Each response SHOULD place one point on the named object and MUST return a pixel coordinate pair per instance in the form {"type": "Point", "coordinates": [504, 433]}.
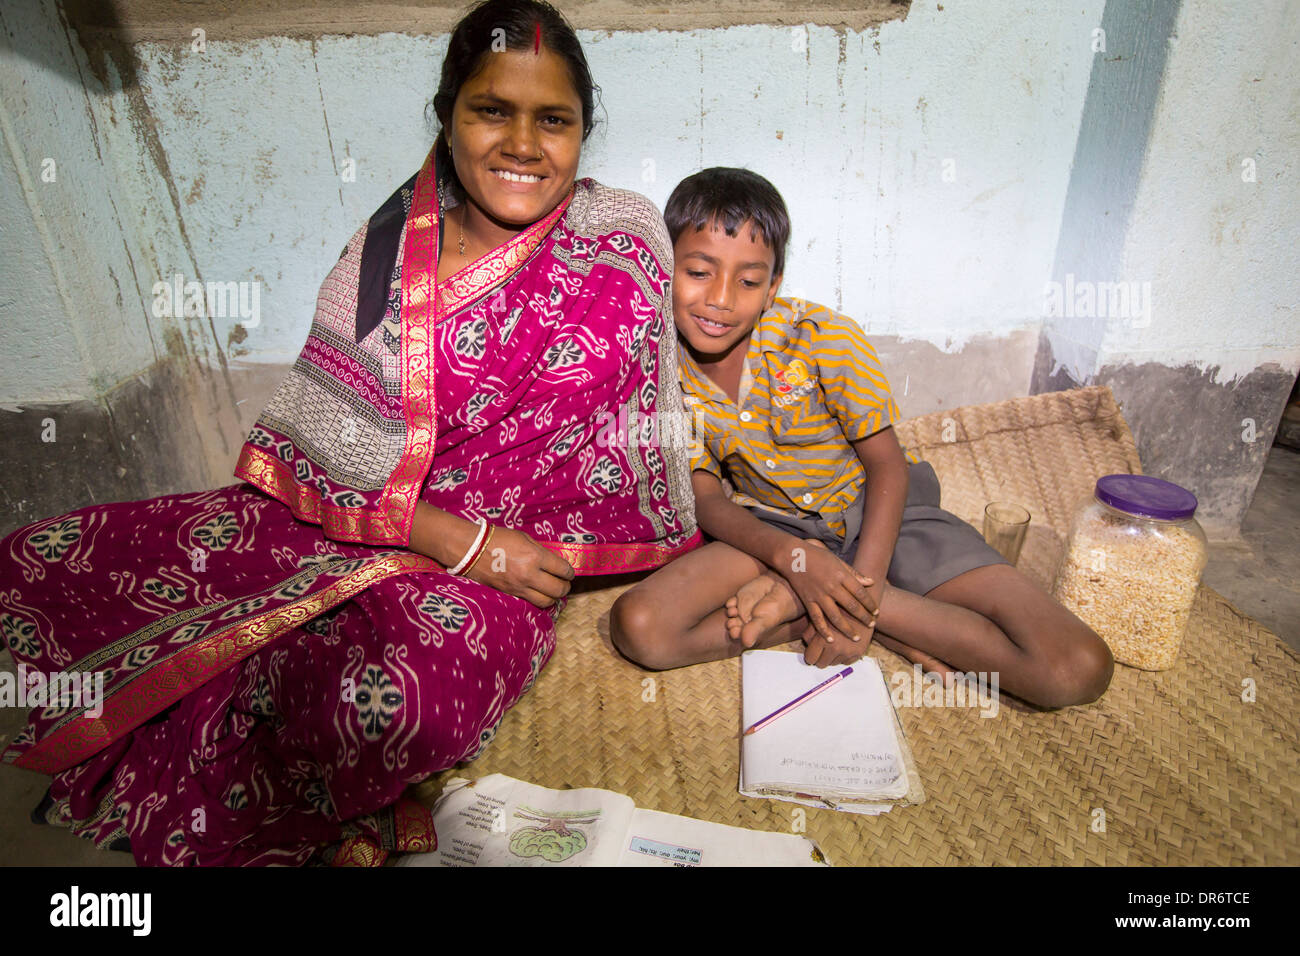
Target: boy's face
{"type": "Point", "coordinates": [721, 285]}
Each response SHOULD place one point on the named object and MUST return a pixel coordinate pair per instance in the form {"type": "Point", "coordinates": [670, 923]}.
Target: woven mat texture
{"type": "Point", "coordinates": [1167, 768]}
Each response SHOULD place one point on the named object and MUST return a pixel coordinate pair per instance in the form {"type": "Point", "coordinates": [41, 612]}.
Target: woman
{"type": "Point", "coordinates": [275, 676]}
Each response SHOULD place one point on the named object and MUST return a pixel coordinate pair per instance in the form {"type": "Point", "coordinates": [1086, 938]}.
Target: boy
{"type": "Point", "coordinates": [833, 535]}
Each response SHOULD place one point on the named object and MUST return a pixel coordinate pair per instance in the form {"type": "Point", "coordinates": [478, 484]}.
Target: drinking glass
{"type": "Point", "coordinates": [1005, 525]}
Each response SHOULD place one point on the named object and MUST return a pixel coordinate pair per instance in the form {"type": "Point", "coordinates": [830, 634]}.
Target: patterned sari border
{"type": "Point", "coordinates": [360, 852]}
{"type": "Point", "coordinates": [274, 477]}
{"type": "Point", "coordinates": [616, 558]}
{"type": "Point", "coordinates": [423, 307]}
{"type": "Point", "coordinates": [482, 276]}
{"type": "Point", "coordinates": [412, 831]}
{"type": "Point", "coordinates": [178, 676]}
{"type": "Point", "coordinates": [419, 275]}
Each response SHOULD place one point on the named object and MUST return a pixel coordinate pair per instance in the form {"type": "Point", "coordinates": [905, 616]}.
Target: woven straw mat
{"type": "Point", "coordinates": [1182, 769]}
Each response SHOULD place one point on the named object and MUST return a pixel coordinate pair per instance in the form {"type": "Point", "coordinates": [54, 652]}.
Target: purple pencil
{"type": "Point", "coordinates": [809, 695]}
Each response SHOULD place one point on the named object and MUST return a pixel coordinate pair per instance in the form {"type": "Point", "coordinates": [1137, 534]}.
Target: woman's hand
{"type": "Point", "coordinates": [511, 561]}
{"type": "Point", "coordinates": [516, 564]}
{"type": "Point", "coordinates": [835, 597]}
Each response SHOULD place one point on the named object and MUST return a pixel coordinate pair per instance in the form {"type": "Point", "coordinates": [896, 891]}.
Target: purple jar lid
{"type": "Point", "coordinates": [1146, 496]}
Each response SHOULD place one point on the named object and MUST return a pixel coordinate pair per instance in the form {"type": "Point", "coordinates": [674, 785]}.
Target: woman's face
{"type": "Point", "coordinates": [516, 135]}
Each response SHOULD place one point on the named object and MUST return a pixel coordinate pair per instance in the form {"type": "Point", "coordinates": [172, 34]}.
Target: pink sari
{"type": "Point", "coordinates": [274, 677]}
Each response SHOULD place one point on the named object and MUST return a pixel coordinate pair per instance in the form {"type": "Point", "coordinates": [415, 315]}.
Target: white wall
{"type": "Point", "coordinates": [854, 128]}
{"type": "Point", "coordinates": [68, 319]}
{"type": "Point", "coordinates": [224, 165]}
{"type": "Point", "coordinates": [1222, 253]}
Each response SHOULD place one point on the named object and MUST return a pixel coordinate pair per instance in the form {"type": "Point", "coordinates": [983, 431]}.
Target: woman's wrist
{"type": "Point", "coordinates": [478, 550]}
{"type": "Point", "coordinates": [441, 535]}
{"type": "Point", "coordinates": [473, 552]}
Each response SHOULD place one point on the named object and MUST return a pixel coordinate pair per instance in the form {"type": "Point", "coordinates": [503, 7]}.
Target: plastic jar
{"type": "Point", "coordinates": [1132, 565]}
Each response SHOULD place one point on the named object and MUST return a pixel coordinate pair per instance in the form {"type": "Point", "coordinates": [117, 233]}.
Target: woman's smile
{"type": "Point", "coordinates": [516, 136]}
{"type": "Point", "coordinates": [522, 179]}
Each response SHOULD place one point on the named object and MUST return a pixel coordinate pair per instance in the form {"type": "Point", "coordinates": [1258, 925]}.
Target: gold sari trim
{"type": "Point", "coordinates": [162, 685]}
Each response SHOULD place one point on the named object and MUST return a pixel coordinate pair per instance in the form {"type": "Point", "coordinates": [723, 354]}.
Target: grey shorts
{"type": "Point", "coordinates": [933, 546]}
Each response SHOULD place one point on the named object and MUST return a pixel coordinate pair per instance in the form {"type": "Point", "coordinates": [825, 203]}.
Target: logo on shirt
{"type": "Point", "coordinates": [793, 383]}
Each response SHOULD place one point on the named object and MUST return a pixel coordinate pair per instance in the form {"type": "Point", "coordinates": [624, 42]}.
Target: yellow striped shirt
{"type": "Point", "coordinates": [812, 384]}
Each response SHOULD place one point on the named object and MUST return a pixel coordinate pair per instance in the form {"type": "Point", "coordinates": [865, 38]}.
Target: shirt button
{"type": "Point", "coordinates": [745, 416]}
{"type": "Point", "coordinates": [771, 463]}
{"type": "Point", "coordinates": [807, 499]}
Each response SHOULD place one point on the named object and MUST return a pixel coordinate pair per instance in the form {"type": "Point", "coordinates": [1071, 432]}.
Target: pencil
{"type": "Point", "coordinates": [807, 696]}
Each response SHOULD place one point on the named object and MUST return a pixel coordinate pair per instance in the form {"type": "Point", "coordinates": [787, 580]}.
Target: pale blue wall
{"type": "Point", "coordinates": [854, 128]}
{"type": "Point", "coordinates": [1122, 164]}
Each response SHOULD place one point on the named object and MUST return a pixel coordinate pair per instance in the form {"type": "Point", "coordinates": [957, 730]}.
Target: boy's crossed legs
{"type": "Point", "coordinates": [991, 618]}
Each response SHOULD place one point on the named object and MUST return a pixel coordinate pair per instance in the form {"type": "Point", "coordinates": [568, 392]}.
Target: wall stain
{"type": "Point", "coordinates": [329, 139]}
{"type": "Point", "coordinates": [264, 166]}
{"type": "Point", "coordinates": [94, 138]}
{"type": "Point", "coordinates": [991, 192]}
{"type": "Point", "coordinates": [116, 285]}
{"type": "Point", "coordinates": [841, 61]}
{"type": "Point", "coordinates": [107, 52]}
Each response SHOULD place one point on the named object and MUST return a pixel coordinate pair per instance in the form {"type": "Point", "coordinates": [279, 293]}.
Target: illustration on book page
{"type": "Point", "coordinates": [559, 838]}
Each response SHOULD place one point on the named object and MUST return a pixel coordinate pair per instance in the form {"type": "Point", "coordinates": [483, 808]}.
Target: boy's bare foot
{"type": "Point", "coordinates": [761, 606]}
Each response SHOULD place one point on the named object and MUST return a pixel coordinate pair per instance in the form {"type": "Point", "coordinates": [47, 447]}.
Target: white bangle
{"type": "Point", "coordinates": [474, 548]}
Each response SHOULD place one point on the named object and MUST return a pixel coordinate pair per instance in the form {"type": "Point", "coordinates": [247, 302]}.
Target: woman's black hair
{"type": "Point", "coordinates": [729, 197]}
{"type": "Point", "coordinates": [497, 25]}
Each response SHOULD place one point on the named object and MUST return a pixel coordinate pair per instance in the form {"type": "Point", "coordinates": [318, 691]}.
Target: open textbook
{"type": "Point", "coordinates": [500, 821]}
{"type": "Point", "coordinates": [842, 749]}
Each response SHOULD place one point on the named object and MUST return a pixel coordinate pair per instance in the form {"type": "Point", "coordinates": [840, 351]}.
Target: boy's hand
{"type": "Point", "coordinates": [823, 653]}
{"type": "Point", "coordinates": [875, 597]}
{"type": "Point", "coordinates": [835, 597]}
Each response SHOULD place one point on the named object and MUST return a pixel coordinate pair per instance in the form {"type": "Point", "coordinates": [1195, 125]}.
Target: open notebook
{"type": "Point", "coordinates": [843, 749]}
{"type": "Point", "coordinates": [500, 821]}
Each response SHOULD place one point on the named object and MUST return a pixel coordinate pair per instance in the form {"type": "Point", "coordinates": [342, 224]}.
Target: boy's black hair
{"type": "Point", "coordinates": [730, 197]}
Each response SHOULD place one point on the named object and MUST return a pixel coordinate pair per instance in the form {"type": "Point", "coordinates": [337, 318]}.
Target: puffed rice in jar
{"type": "Point", "coordinates": [1132, 565]}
